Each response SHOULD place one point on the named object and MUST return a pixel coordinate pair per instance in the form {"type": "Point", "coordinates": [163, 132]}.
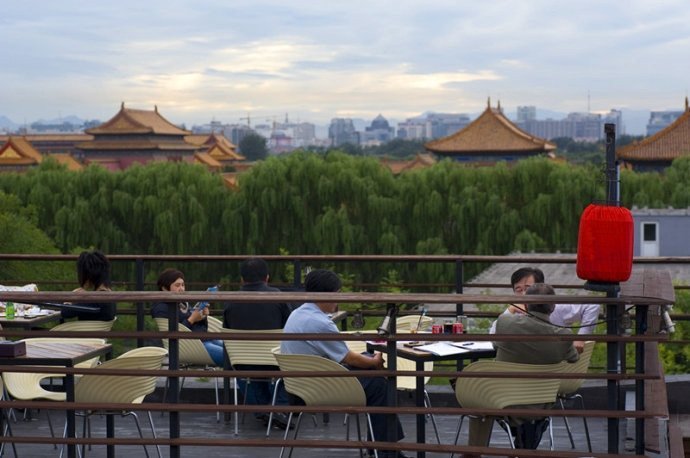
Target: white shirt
{"type": "Point", "coordinates": [570, 314]}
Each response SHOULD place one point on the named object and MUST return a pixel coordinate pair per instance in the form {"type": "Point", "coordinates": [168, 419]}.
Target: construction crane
{"type": "Point", "coordinates": [249, 120]}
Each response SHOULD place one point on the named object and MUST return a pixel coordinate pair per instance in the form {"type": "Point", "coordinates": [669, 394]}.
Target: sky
{"type": "Point", "coordinates": [220, 60]}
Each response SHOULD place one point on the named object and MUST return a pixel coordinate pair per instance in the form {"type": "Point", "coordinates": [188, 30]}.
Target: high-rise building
{"type": "Point", "coordinates": [526, 113]}
{"type": "Point", "coordinates": [378, 132]}
{"type": "Point", "coordinates": [341, 131]}
{"type": "Point", "coordinates": [659, 120]}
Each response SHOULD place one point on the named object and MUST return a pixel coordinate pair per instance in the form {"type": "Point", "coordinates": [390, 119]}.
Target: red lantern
{"type": "Point", "coordinates": [605, 244]}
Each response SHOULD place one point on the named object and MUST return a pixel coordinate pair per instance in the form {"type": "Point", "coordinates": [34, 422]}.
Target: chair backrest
{"type": "Point", "coordinates": [118, 388]}
{"type": "Point", "coordinates": [404, 323]}
{"type": "Point", "coordinates": [580, 366]}
{"type": "Point", "coordinates": [192, 351]}
{"type": "Point", "coordinates": [252, 352]}
{"type": "Point", "coordinates": [320, 391]}
{"type": "Point", "coordinates": [214, 324]}
{"type": "Point", "coordinates": [498, 393]}
{"type": "Point", "coordinates": [85, 325]}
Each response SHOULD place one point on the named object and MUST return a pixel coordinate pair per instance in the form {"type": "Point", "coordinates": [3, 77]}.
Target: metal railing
{"type": "Point", "coordinates": [387, 301]}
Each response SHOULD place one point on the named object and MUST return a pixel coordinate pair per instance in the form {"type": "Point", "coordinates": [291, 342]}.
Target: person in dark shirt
{"type": "Point", "coordinates": [191, 317]}
{"type": "Point", "coordinates": [93, 274]}
{"type": "Point", "coordinates": [257, 316]}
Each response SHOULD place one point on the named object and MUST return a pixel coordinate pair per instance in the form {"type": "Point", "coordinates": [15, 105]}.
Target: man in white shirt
{"type": "Point", "coordinates": [565, 315]}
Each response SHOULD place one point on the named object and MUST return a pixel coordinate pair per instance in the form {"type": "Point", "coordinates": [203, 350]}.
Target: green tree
{"type": "Point", "coordinates": [253, 147]}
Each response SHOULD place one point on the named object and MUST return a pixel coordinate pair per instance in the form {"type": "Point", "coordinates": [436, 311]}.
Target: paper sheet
{"type": "Point", "coordinates": [442, 349]}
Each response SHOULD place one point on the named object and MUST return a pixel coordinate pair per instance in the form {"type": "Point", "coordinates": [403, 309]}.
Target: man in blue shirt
{"type": "Point", "coordinates": [312, 318]}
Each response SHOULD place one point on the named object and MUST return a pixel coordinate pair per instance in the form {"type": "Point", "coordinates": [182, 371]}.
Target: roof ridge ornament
{"type": "Point", "coordinates": [686, 103]}
{"type": "Point", "coordinates": [488, 102]}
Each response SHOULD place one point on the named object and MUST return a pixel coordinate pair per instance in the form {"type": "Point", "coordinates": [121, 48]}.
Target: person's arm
{"type": "Point", "coordinates": [589, 318]}
{"type": "Point", "coordinates": [360, 361]}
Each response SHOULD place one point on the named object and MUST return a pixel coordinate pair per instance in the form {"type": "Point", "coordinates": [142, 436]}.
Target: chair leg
{"type": "Point", "coordinates": [457, 434]}
{"type": "Point", "coordinates": [550, 420]}
{"type": "Point", "coordinates": [299, 419]}
{"type": "Point", "coordinates": [427, 403]}
{"type": "Point", "coordinates": [584, 420]}
{"type": "Point", "coordinates": [7, 432]}
{"type": "Point", "coordinates": [153, 433]}
{"type": "Point", "coordinates": [217, 399]}
{"type": "Point", "coordinates": [236, 413]}
{"type": "Point", "coordinates": [371, 432]}
{"type": "Point", "coordinates": [567, 423]}
{"type": "Point", "coordinates": [503, 422]}
{"type": "Point", "coordinates": [287, 430]}
{"type": "Point", "coordinates": [136, 422]}
{"type": "Point", "coordinates": [359, 434]}
{"type": "Point", "coordinates": [273, 403]}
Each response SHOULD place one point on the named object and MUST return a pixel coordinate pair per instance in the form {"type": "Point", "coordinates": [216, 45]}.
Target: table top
{"type": "Point", "coordinates": [56, 352]}
{"type": "Point", "coordinates": [424, 356]}
{"type": "Point", "coordinates": [29, 321]}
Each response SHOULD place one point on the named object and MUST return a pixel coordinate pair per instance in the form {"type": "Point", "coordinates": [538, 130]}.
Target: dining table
{"type": "Point", "coordinates": [30, 319]}
{"type": "Point", "coordinates": [435, 351]}
{"type": "Point", "coordinates": [61, 353]}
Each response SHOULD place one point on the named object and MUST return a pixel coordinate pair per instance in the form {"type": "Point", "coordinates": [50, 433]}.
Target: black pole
{"type": "Point", "coordinates": [640, 329]}
{"type": "Point", "coordinates": [612, 310]}
{"type": "Point", "coordinates": [140, 305]}
{"type": "Point", "coordinates": [173, 381]}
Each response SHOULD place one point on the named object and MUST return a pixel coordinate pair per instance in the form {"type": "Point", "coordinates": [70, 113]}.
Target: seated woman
{"type": "Point", "coordinates": [93, 273]}
{"type": "Point", "coordinates": [191, 317]}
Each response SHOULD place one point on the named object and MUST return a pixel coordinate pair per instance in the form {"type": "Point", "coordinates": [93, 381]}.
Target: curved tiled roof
{"type": "Point", "coordinates": [18, 151]}
{"type": "Point", "coordinates": [135, 145]}
{"type": "Point", "coordinates": [131, 121]}
{"type": "Point", "coordinates": [665, 145]}
{"type": "Point", "coordinates": [490, 133]}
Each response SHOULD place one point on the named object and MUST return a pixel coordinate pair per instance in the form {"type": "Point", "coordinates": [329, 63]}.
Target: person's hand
{"type": "Point", "coordinates": [197, 315]}
{"type": "Point", "coordinates": [378, 360]}
{"type": "Point", "coordinates": [517, 308]}
{"type": "Point", "coordinates": [206, 312]}
{"type": "Point", "coordinates": [579, 345]}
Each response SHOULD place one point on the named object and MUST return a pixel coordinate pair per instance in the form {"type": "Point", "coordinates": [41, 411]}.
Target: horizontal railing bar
{"type": "Point", "coordinates": [45, 297]}
{"type": "Point", "coordinates": [401, 410]}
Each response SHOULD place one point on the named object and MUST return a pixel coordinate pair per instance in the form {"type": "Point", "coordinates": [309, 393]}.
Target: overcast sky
{"type": "Point", "coordinates": [316, 60]}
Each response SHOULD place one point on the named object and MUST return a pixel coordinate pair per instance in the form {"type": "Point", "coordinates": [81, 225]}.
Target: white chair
{"type": "Point", "coordinates": [569, 387]}
{"type": "Point", "coordinates": [249, 353]}
{"type": "Point", "coordinates": [419, 322]}
{"type": "Point", "coordinates": [320, 391]}
{"type": "Point", "coordinates": [499, 393]}
{"type": "Point", "coordinates": [85, 325]}
{"type": "Point", "coordinates": [130, 389]}
{"type": "Point", "coordinates": [193, 354]}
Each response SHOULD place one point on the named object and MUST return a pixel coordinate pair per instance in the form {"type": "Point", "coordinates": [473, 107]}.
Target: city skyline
{"type": "Point", "coordinates": [206, 60]}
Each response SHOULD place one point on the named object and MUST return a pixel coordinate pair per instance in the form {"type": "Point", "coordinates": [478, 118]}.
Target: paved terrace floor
{"type": "Point", "coordinates": [205, 426]}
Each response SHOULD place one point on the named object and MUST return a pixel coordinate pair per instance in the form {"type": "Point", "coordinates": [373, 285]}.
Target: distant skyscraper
{"type": "Point", "coordinates": [659, 120]}
{"type": "Point", "coordinates": [526, 113]}
{"type": "Point", "coordinates": [378, 132]}
{"type": "Point", "coordinates": [342, 131]}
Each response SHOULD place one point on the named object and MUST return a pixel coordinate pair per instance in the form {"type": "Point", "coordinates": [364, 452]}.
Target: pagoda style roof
{"type": "Point", "coordinates": [490, 133]}
{"type": "Point", "coordinates": [219, 147]}
{"type": "Point", "coordinates": [131, 121]}
{"type": "Point", "coordinates": [419, 162]}
{"type": "Point", "coordinates": [207, 160]}
{"type": "Point", "coordinates": [67, 160]}
{"type": "Point", "coordinates": [18, 151]}
{"type": "Point", "coordinates": [665, 145]}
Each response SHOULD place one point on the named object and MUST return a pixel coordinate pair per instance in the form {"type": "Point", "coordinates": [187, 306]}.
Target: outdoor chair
{"type": "Point", "coordinates": [26, 386]}
{"type": "Point", "coordinates": [321, 391]}
{"type": "Point", "coordinates": [193, 354]}
{"type": "Point", "coordinates": [499, 393]}
{"type": "Point", "coordinates": [568, 389]}
{"type": "Point", "coordinates": [253, 355]}
{"type": "Point", "coordinates": [121, 389]}
{"type": "Point", "coordinates": [7, 430]}
{"type": "Point", "coordinates": [85, 325]}
{"type": "Point", "coordinates": [408, 384]}
{"type": "Point", "coordinates": [406, 322]}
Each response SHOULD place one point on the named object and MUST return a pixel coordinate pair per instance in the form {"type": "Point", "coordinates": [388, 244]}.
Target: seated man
{"type": "Point", "coordinates": [257, 316]}
{"type": "Point", "coordinates": [312, 318]}
{"type": "Point", "coordinates": [565, 315]}
{"type": "Point", "coordinates": [528, 431]}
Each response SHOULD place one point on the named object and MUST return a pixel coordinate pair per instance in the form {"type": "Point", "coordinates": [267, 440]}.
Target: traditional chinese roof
{"type": "Point", "coordinates": [207, 160]}
{"type": "Point", "coordinates": [490, 133]}
{"type": "Point", "coordinates": [18, 151]}
{"type": "Point", "coordinates": [665, 145]}
{"type": "Point", "coordinates": [70, 162]}
{"type": "Point", "coordinates": [420, 161]}
{"type": "Point", "coordinates": [135, 145]}
{"type": "Point", "coordinates": [131, 121]}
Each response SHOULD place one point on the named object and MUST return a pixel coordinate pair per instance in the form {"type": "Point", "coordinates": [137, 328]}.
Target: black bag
{"type": "Point", "coordinates": [528, 435]}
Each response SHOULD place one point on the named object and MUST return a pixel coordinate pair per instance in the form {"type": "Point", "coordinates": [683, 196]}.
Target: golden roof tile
{"type": "Point", "coordinates": [490, 133]}
{"type": "Point", "coordinates": [17, 150]}
{"type": "Point", "coordinates": [665, 145]}
{"type": "Point", "coordinates": [132, 121]}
